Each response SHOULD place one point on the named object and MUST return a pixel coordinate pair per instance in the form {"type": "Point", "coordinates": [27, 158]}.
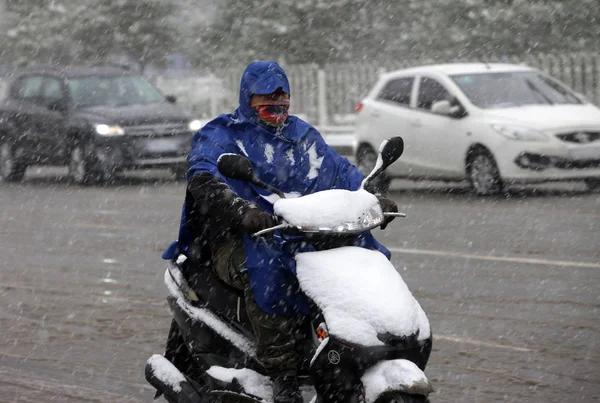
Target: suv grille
{"type": "Point", "coordinates": [579, 137]}
{"type": "Point", "coordinates": [158, 130]}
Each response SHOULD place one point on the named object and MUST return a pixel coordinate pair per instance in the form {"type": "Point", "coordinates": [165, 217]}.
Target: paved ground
{"type": "Point", "coordinates": [510, 284]}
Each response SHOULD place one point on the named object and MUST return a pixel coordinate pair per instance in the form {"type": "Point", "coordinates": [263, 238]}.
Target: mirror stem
{"type": "Point", "coordinates": [379, 168]}
{"type": "Point", "coordinates": [276, 191]}
{"type": "Point", "coordinates": [270, 188]}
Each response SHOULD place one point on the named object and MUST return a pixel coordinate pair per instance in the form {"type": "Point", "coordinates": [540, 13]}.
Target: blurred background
{"type": "Point", "coordinates": [204, 45]}
{"type": "Point", "coordinates": [509, 282]}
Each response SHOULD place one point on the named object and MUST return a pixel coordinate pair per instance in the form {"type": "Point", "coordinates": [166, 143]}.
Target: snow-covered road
{"type": "Point", "coordinates": [510, 286]}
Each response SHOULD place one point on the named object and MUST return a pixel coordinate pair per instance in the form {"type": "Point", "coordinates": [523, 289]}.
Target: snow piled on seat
{"type": "Point", "coordinates": [361, 294]}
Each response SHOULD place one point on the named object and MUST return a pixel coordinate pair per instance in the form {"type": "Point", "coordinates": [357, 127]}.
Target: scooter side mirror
{"type": "Point", "coordinates": [389, 151]}
{"type": "Point", "coordinates": [235, 166]}
{"type": "Point", "coordinates": [238, 167]}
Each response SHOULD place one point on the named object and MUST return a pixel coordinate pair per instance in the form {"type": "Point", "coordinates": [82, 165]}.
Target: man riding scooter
{"type": "Point", "coordinates": [221, 213]}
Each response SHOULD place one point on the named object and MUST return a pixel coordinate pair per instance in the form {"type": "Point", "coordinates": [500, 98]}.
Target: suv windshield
{"type": "Point", "coordinates": [510, 89]}
{"type": "Point", "coordinates": [113, 91]}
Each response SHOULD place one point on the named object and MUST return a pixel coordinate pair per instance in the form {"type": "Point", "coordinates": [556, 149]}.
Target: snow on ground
{"type": "Point", "coordinates": [499, 324]}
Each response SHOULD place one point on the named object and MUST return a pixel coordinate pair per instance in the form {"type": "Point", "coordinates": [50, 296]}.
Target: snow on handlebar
{"type": "Point", "coordinates": [271, 229]}
{"type": "Point", "coordinates": [394, 215]}
{"type": "Point", "coordinates": [286, 225]}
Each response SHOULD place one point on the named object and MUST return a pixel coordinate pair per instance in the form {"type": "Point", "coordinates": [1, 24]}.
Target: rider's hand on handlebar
{"type": "Point", "coordinates": [387, 206]}
{"type": "Point", "coordinates": [255, 220]}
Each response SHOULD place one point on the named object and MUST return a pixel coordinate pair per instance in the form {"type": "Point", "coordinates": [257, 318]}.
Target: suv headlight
{"type": "Point", "coordinates": [520, 133]}
{"type": "Point", "coordinates": [109, 131]}
{"type": "Point", "coordinates": [195, 125]}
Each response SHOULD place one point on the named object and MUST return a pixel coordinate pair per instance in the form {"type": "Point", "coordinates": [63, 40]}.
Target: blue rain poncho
{"type": "Point", "coordinates": [293, 158]}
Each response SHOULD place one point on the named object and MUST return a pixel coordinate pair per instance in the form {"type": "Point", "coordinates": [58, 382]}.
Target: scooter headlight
{"type": "Point", "coordinates": [370, 219]}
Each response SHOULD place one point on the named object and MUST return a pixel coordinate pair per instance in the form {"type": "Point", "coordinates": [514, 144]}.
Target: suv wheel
{"type": "Point", "coordinates": [84, 171]}
{"type": "Point", "coordinates": [366, 158]}
{"type": "Point", "coordinates": [484, 174]}
{"type": "Point", "coordinates": [10, 168]}
{"type": "Point", "coordinates": [79, 166]}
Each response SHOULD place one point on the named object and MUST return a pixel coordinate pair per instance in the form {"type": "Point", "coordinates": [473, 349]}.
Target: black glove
{"type": "Point", "coordinates": [255, 220]}
{"type": "Point", "coordinates": [387, 206]}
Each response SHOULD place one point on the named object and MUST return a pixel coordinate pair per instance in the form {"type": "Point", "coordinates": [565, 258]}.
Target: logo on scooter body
{"type": "Point", "coordinates": [333, 357]}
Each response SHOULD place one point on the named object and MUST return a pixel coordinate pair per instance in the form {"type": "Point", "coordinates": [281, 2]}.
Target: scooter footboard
{"type": "Point", "coordinates": [204, 332]}
{"type": "Point", "coordinates": [170, 382]}
{"type": "Point", "coordinates": [395, 376]}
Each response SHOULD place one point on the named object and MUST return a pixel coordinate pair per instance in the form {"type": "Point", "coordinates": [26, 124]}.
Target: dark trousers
{"type": "Point", "coordinates": [276, 335]}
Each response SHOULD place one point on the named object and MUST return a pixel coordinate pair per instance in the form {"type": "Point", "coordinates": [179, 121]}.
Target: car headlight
{"type": "Point", "coordinates": [520, 133]}
{"type": "Point", "coordinates": [109, 131]}
{"type": "Point", "coordinates": [195, 125]}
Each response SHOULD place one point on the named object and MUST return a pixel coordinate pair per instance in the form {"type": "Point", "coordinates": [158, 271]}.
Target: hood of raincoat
{"type": "Point", "coordinates": [293, 158]}
{"type": "Point", "coordinates": [260, 78]}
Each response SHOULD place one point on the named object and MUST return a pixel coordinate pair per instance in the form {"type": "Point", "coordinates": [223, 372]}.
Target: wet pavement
{"type": "Point", "coordinates": [510, 285]}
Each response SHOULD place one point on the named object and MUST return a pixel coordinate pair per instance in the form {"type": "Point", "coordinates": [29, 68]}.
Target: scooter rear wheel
{"type": "Point", "coordinates": [224, 396]}
{"type": "Point", "coordinates": [401, 397]}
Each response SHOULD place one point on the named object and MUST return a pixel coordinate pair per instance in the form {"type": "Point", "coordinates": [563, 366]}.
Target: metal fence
{"type": "Point", "coordinates": [328, 95]}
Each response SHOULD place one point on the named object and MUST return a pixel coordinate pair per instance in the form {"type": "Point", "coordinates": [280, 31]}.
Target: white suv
{"type": "Point", "coordinates": [488, 123]}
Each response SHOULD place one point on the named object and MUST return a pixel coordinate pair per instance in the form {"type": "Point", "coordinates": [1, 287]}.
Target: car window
{"type": "Point", "coordinates": [513, 89]}
{"type": "Point", "coordinates": [136, 90]}
{"type": "Point", "coordinates": [431, 91]}
{"type": "Point", "coordinates": [398, 90]}
{"type": "Point", "coordinates": [52, 92]}
{"type": "Point", "coordinates": [29, 88]}
{"type": "Point", "coordinates": [113, 91]}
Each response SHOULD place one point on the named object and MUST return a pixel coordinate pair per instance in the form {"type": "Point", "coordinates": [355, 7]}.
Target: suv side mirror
{"type": "Point", "coordinates": [171, 99]}
{"type": "Point", "coordinates": [442, 107]}
{"type": "Point", "coordinates": [451, 108]}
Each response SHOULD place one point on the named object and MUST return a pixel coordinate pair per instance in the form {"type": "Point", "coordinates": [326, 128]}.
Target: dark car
{"type": "Point", "coordinates": [97, 120]}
